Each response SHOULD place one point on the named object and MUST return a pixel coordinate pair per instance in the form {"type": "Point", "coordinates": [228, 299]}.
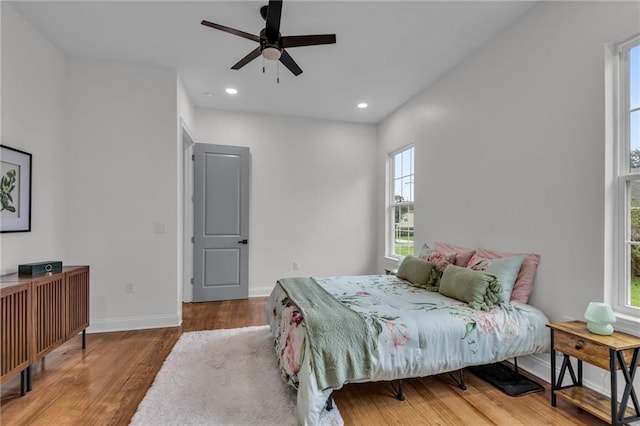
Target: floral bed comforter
{"type": "Point", "coordinates": [419, 333]}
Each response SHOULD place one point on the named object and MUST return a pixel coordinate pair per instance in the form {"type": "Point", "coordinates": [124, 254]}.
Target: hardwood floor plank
{"type": "Point", "coordinates": [104, 383]}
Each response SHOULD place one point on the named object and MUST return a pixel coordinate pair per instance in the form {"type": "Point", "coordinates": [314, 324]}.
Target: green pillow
{"type": "Point", "coordinates": [479, 289]}
{"type": "Point", "coordinates": [505, 269]}
{"type": "Point", "coordinates": [418, 272]}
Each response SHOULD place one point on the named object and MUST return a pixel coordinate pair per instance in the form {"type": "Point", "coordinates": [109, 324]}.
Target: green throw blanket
{"type": "Point", "coordinates": [340, 343]}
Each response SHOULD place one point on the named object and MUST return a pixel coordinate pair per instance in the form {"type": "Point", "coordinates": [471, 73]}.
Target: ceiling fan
{"type": "Point", "coordinates": [272, 43]}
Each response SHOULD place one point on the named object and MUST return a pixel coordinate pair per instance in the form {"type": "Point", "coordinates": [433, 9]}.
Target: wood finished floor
{"type": "Point", "coordinates": [103, 384]}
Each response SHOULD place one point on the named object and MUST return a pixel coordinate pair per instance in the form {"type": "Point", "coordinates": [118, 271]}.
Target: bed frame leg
{"type": "Point", "coordinates": [460, 380]}
{"type": "Point", "coordinates": [329, 405]}
{"type": "Point", "coordinates": [398, 391]}
{"type": "Point", "coordinates": [515, 367]}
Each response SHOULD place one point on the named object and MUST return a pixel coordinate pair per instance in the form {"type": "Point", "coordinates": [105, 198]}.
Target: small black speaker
{"type": "Point", "coordinates": [40, 268]}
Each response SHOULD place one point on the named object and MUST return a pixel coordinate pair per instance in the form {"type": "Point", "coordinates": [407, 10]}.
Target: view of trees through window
{"type": "Point", "coordinates": [633, 185]}
{"type": "Point", "coordinates": [634, 221]}
{"type": "Point", "coordinates": [402, 202]}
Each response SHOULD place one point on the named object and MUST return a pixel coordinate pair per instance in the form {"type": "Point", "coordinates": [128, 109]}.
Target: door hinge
{"type": "Point", "coordinates": [193, 240]}
{"type": "Point", "coordinates": [193, 157]}
{"type": "Point", "coordinates": [193, 198]}
{"type": "Point", "coordinates": [191, 281]}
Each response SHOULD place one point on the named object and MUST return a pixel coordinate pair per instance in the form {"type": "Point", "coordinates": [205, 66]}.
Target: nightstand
{"type": "Point", "coordinates": [616, 352]}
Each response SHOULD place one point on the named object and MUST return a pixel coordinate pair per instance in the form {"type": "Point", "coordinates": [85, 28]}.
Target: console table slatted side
{"type": "Point", "coordinates": [77, 292]}
{"type": "Point", "coordinates": [15, 330]}
{"type": "Point", "coordinates": [38, 314]}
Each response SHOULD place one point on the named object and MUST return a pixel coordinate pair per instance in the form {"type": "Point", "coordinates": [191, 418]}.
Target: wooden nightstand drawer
{"type": "Point", "coordinates": [592, 348]}
{"type": "Point", "coordinates": [576, 346]}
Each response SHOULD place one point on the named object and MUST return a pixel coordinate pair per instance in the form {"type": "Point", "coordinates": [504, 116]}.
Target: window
{"type": "Point", "coordinates": [401, 203]}
{"type": "Point", "coordinates": [626, 288]}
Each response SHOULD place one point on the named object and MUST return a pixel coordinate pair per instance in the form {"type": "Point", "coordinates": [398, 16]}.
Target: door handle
{"type": "Point", "coordinates": [243, 242]}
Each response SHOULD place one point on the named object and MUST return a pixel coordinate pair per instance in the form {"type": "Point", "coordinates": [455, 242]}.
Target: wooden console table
{"type": "Point", "coordinates": [616, 352]}
{"type": "Point", "coordinates": [38, 314]}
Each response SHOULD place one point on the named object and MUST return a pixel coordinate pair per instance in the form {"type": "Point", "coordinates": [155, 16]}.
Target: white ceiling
{"type": "Point", "coordinates": [386, 51]}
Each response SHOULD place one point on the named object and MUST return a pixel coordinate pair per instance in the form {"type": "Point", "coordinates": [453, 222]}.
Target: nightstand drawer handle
{"type": "Point", "coordinates": [579, 345]}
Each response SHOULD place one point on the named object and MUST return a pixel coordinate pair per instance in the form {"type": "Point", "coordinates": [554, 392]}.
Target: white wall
{"type": "Point", "coordinates": [185, 107]}
{"type": "Point", "coordinates": [510, 150]}
{"type": "Point", "coordinates": [32, 117]}
{"type": "Point", "coordinates": [105, 144]}
{"type": "Point", "coordinates": [313, 193]}
{"type": "Point", "coordinates": [122, 178]}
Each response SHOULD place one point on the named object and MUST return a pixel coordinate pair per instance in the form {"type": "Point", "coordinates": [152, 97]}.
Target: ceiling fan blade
{"type": "Point", "coordinates": [308, 40]}
{"type": "Point", "coordinates": [231, 31]}
{"type": "Point", "coordinates": [288, 62]}
{"type": "Point", "coordinates": [250, 57]}
{"type": "Point", "coordinates": [274, 12]}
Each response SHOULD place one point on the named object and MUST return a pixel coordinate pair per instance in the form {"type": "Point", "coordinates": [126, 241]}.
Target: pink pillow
{"type": "Point", "coordinates": [524, 282]}
{"type": "Point", "coordinates": [463, 254]}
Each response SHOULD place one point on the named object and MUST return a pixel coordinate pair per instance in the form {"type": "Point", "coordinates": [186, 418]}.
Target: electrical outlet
{"type": "Point", "coordinates": [296, 265]}
{"type": "Point", "coordinates": [130, 287]}
{"type": "Point", "coordinates": [159, 228]}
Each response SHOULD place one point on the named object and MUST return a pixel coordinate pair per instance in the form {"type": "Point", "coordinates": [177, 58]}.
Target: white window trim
{"type": "Point", "coordinates": [617, 135]}
{"type": "Point", "coordinates": [389, 212]}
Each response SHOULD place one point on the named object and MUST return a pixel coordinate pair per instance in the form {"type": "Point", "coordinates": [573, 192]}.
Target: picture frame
{"type": "Point", "coordinates": [15, 190]}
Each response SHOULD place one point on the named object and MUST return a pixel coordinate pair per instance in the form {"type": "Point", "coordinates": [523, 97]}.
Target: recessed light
{"type": "Point", "coordinates": [231, 90]}
{"type": "Point", "coordinates": [363, 105]}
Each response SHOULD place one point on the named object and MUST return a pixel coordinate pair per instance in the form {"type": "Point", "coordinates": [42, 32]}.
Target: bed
{"type": "Point", "coordinates": [347, 329]}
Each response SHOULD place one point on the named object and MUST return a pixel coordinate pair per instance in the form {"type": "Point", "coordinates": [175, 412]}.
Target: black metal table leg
{"type": "Point", "coordinates": [629, 372]}
{"type": "Point", "coordinates": [84, 338]}
{"type": "Point", "coordinates": [614, 386]}
{"type": "Point", "coordinates": [553, 372]}
{"type": "Point", "coordinates": [579, 372]}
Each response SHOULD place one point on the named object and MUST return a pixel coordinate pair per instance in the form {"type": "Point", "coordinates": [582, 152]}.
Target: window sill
{"type": "Point", "coordinates": [627, 324]}
{"type": "Point", "coordinates": [390, 262]}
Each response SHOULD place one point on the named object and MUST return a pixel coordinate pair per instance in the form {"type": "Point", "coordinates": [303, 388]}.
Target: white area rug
{"type": "Point", "coordinates": [223, 377]}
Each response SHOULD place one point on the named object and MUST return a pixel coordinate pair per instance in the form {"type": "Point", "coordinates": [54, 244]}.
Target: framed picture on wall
{"type": "Point", "coordinates": [15, 190]}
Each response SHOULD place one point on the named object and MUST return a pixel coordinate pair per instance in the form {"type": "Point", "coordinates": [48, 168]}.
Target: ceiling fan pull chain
{"type": "Point", "coordinates": [278, 73]}
{"type": "Point", "coordinates": [263, 65]}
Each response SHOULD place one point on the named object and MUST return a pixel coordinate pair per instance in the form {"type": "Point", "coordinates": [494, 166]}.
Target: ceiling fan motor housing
{"type": "Point", "coordinates": [270, 46]}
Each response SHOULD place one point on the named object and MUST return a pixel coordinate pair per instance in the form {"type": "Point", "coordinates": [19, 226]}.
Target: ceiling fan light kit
{"type": "Point", "coordinates": [271, 43]}
{"type": "Point", "coordinates": [271, 53]}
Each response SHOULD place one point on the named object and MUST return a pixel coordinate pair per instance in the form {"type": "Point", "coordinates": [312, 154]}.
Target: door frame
{"type": "Point", "coordinates": [186, 150]}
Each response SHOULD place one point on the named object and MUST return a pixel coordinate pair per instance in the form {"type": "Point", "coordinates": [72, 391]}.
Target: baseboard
{"type": "Point", "coordinates": [260, 291]}
{"type": "Point", "coordinates": [134, 323]}
{"type": "Point", "coordinates": [537, 365]}
{"type": "Point", "coordinates": [253, 292]}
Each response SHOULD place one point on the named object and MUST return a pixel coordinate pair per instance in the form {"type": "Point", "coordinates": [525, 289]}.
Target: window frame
{"type": "Point", "coordinates": [619, 293]}
{"type": "Point", "coordinates": [391, 204]}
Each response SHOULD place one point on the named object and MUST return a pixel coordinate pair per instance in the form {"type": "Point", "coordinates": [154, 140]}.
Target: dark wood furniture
{"type": "Point", "coordinates": [612, 353]}
{"type": "Point", "coordinates": [39, 313]}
